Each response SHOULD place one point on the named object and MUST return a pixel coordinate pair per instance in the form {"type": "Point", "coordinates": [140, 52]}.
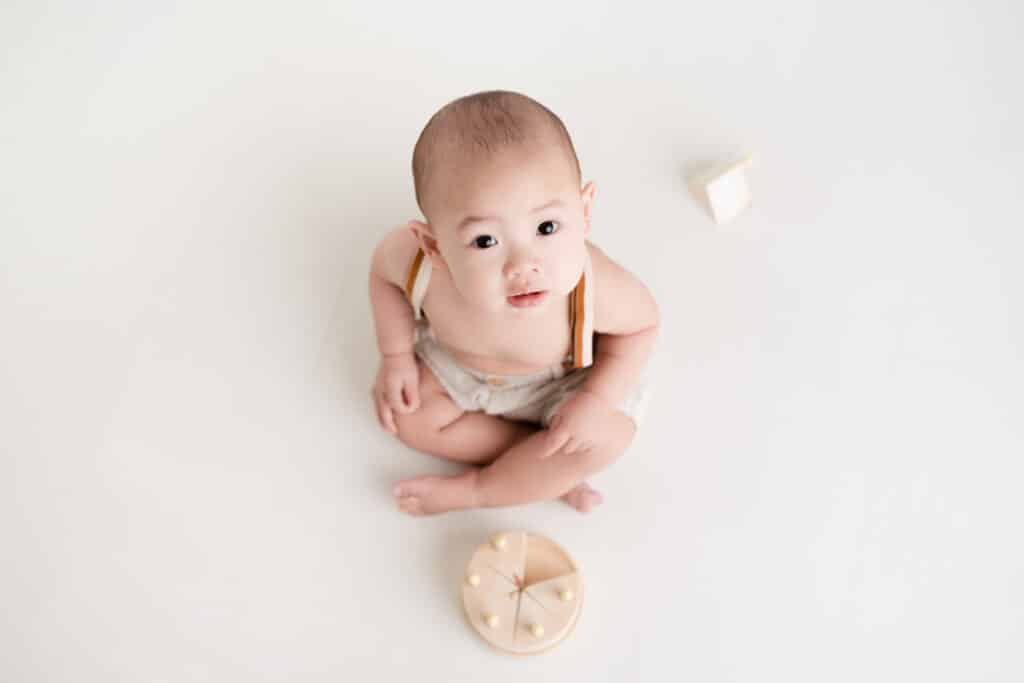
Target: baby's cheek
{"type": "Point", "coordinates": [570, 277]}
{"type": "Point", "coordinates": [484, 292]}
{"type": "Point", "coordinates": [471, 281]}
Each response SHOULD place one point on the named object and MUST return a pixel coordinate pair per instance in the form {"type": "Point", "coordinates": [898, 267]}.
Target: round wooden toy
{"type": "Point", "coordinates": [522, 593]}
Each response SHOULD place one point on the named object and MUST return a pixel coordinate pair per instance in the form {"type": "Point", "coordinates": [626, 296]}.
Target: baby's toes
{"type": "Point", "coordinates": [590, 500]}
{"type": "Point", "coordinates": [583, 498]}
{"type": "Point", "coordinates": [410, 505]}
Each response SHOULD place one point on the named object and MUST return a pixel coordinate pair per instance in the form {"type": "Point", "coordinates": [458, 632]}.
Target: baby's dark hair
{"type": "Point", "coordinates": [483, 123]}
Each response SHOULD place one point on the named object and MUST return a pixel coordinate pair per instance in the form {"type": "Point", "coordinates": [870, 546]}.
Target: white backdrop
{"type": "Point", "coordinates": [193, 486]}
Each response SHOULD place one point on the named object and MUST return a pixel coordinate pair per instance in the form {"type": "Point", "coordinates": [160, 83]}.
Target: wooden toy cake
{"type": "Point", "coordinates": [522, 593]}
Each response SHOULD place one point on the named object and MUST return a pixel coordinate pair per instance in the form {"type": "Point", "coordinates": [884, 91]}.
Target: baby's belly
{"type": "Point", "coordinates": [500, 366]}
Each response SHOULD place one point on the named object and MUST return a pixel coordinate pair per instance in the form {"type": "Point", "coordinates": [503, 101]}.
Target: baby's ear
{"type": "Point", "coordinates": [425, 236]}
{"type": "Point", "coordinates": [587, 194]}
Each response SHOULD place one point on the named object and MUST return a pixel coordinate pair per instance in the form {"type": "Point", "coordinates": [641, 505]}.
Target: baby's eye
{"type": "Point", "coordinates": [484, 242]}
{"type": "Point", "coordinates": [547, 228]}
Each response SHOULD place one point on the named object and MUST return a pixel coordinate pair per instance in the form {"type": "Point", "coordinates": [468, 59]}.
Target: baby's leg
{"type": "Point", "coordinates": [443, 429]}
{"type": "Point", "coordinates": [519, 476]}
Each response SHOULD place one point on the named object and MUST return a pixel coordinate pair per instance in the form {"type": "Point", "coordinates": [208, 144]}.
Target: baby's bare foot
{"type": "Point", "coordinates": [583, 498]}
{"type": "Point", "coordinates": [434, 495]}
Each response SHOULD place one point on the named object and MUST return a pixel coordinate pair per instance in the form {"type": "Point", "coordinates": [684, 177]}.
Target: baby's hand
{"type": "Point", "coordinates": [397, 389]}
{"type": "Point", "coordinates": [579, 425]}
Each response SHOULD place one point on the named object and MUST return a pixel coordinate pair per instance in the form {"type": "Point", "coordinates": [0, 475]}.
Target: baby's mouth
{"type": "Point", "coordinates": [527, 299]}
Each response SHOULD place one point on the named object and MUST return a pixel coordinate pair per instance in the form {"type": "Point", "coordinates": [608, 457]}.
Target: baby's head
{"type": "Point", "coordinates": [497, 178]}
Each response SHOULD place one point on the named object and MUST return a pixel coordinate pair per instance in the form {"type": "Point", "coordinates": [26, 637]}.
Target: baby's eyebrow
{"type": "Point", "coordinates": [469, 220]}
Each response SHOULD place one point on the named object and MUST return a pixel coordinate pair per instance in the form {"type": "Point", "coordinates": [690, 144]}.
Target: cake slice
{"type": "Point", "coordinates": [504, 553]}
{"type": "Point", "coordinates": [548, 612]}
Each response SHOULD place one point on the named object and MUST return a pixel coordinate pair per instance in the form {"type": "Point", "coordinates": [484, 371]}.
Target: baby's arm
{"type": "Point", "coordinates": [626, 321]}
{"type": "Point", "coordinates": [396, 388]}
{"type": "Point", "coordinates": [392, 314]}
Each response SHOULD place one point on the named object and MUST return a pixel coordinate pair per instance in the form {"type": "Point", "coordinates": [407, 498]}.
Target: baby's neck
{"type": "Point", "coordinates": [524, 326]}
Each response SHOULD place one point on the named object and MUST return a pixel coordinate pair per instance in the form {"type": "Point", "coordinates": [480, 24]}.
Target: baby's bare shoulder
{"type": "Point", "coordinates": [622, 303]}
{"type": "Point", "coordinates": [393, 257]}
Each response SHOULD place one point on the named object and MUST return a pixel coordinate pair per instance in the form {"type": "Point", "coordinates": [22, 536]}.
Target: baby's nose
{"type": "Point", "coordinates": [521, 268]}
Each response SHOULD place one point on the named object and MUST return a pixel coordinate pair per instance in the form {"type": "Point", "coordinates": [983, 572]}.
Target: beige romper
{"type": "Point", "coordinates": [530, 398]}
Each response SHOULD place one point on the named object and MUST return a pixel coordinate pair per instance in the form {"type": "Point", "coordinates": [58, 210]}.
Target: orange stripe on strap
{"type": "Point", "coordinates": [577, 333]}
{"type": "Point", "coordinates": [570, 361]}
{"type": "Point", "coordinates": [413, 272]}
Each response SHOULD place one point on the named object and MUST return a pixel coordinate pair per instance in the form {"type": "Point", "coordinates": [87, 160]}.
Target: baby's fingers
{"type": "Point", "coordinates": [384, 415]}
{"type": "Point", "coordinates": [411, 394]}
{"type": "Point", "coordinates": [572, 445]}
{"type": "Point", "coordinates": [557, 437]}
{"type": "Point", "coordinates": [579, 447]}
{"type": "Point", "coordinates": [394, 396]}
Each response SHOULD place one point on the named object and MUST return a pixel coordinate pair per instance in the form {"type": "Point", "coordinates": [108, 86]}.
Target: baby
{"type": "Point", "coordinates": [508, 341]}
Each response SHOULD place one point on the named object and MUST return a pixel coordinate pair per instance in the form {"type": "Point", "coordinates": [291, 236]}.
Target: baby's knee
{"type": "Point", "coordinates": [413, 430]}
{"type": "Point", "coordinates": [422, 430]}
{"type": "Point", "coordinates": [604, 454]}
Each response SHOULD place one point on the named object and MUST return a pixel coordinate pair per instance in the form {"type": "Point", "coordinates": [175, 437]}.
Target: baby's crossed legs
{"type": "Point", "coordinates": [507, 467]}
